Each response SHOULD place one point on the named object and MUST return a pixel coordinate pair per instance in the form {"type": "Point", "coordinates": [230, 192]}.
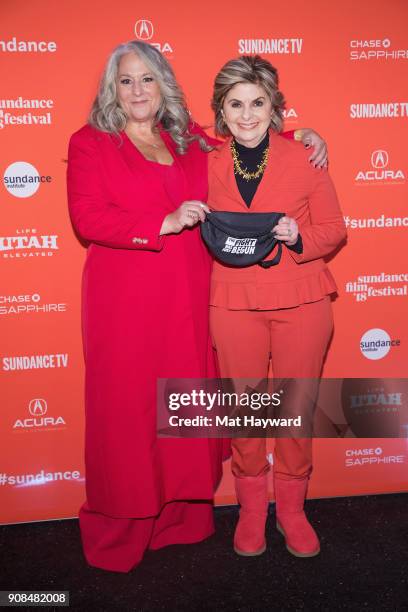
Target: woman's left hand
{"type": "Point", "coordinates": [310, 138]}
{"type": "Point", "coordinates": [286, 230]}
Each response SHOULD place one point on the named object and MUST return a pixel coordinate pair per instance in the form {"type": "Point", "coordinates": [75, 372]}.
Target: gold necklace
{"type": "Point", "coordinates": [244, 172]}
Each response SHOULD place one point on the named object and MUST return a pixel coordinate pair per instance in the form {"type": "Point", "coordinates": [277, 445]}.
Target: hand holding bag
{"type": "Point", "coordinates": [242, 239]}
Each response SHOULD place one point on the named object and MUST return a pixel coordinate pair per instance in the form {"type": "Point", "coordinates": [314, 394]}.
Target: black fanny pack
{"type": "Point", "coordinates": [242, 239]}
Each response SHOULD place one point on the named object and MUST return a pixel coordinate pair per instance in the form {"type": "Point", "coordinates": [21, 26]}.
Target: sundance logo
{"type": "Point", "coordinates": [378, 285]}
{"type": "Point", "coordinates": [30, 46]}
{"type": "Point", "coordinates": [38, 408]}
{"type": "Point", "coordinates": [380, 173]}
{"type": "Point", "coordinates": [144, 31]}
{"type": "Point", "coordinates": [279, 46]}
{"type": "Point", "coordinates": [16, 117]}
{"type": "Point", "coordinates": [381, 110]}
{"type": "Point", "coordinates": [35, 362]}
{"type": "Point", "coordinates": [376, 344]}
{"type": "Point", "coordinates": [23, 180]}
{"type": "Point", "coordinates": [381, 222]}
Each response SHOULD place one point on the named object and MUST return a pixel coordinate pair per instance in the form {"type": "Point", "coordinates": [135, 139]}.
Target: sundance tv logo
{"type": "Point", "coordinates": [272, 46]}
{"type": "Point", "coordinates": [375, 50]}
{"type": "Point", "coordinates": [380, 173]}
{"type": "Point", "coordinates": [38, 420]}
{"type": "Point", "coordinates": [34, 362]}
{"type": "Point", "coordinates": [379, 110]}
{"type": "Point", "coordinates": [144, 31]}
{"type": "Point", "coordinates": [23, 180]}
{"type": "Point", "coordinates": [376, 344]}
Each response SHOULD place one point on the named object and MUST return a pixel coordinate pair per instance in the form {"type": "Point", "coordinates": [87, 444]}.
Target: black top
{"type": "Point", "coordinates": [250, 158]}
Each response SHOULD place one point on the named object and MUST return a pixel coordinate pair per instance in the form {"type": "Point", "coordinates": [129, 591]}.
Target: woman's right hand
{"type": "Point", "coordinates": [186, 215]}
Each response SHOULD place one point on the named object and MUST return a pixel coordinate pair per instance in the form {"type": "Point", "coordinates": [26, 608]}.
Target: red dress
{"type": "Point", "coordinates": [145, 316]}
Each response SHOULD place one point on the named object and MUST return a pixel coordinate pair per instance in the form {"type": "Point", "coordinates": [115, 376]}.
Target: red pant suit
{"type": "Point", "coordinates": [282, 313]}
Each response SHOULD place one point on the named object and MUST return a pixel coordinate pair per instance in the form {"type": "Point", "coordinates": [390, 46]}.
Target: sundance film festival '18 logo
{"type": "Point", "coordinates": [38, 420]}
{"type": "Point", "coordinates": [144, 31]}
{"type": "Point", "coordinates": [379, 172]}
{"type": "Point", "coordinates": [23, 180]}
{"type": "Point", "coordinates": [22, 111]}
{"type": "Point", "coordinates": [382, 285]}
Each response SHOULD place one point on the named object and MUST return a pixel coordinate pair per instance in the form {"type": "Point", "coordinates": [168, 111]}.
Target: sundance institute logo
{"type": "Point", "coordinates": [23, 180]}
{"type": "Point", "coordinates": [376, 344]}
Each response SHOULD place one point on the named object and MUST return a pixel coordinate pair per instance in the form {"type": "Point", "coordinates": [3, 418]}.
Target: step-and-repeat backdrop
{"type": "Point", "coordinates": [343, 71]}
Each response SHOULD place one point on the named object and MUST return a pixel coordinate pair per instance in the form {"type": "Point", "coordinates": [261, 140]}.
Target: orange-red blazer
{"type": "Point", "coordinates": [291, 185]}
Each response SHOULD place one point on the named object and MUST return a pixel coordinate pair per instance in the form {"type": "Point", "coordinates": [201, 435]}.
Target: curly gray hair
{"type": "Point", "coordinates": [108, 116]}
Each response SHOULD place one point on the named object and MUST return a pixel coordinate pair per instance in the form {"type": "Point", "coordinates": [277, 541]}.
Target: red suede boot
{"type": "Point", "coordinates": [252, 494]}
{"type": "Point", "coordinates": [291, 521]}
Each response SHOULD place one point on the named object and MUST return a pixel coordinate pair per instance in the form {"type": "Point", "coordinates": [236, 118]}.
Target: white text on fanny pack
{"type": "Point", "coordinates": [240, 246]}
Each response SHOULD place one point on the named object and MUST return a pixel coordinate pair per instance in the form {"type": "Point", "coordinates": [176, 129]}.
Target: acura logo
{"type": "Point", "coordinates": [379, 159]}
{"type": "Point", "coordinates": [37, 407]}
{"type": "Point", "coordinates": [144, 29]}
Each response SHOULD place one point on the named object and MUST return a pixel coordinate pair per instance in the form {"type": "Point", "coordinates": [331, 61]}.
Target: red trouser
{"type": "Point", "coordinates": [295, 340]}
{"type": "Point", "coordinates": [118, 544]}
